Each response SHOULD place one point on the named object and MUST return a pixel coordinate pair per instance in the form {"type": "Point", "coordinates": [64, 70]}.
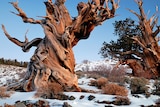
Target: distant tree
{"type": "Point", "coordinates": [125, 29]}
{"type": "Point", "coordinates": [13, 62]}
{"type": "Point", "coordinates": [137, 45]}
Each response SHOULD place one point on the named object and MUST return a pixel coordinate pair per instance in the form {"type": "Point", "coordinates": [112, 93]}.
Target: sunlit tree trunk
{"type": "Point", "coordinates": [53, 60]}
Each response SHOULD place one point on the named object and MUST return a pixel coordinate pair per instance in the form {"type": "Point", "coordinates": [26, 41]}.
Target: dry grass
{"type": "Point", "coordinates": [54, 89]}
{"type": "Point", "coordinates": [122, 101]}
{"type": "Point", "coordinates": [4, 93]}
{"type": "Point", "coordinates": [80, 74]}
{"type": "Point", "coordinates": [100, 82]}
{"type": "Point", "coordinates": [113, 75]}
{"type": "Point", "coordinates": [117, 75]}
{"type": "Point", "coordinates": [93, 83]}
{"type": "Point", "coordinates": [114, 89]}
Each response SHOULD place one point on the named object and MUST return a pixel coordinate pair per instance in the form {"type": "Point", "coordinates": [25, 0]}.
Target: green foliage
{"type": "Point", "coordinates": [138, 85]}
{"type": "Point", "coordinates": [13, 62]}
{"type": "Point", "coordinates": [125, 29]}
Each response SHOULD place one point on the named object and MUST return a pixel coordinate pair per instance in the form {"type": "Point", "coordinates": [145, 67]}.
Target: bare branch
{"type": "Point", "coordinates": [156, 31]}
{"type": "Point", "coordinates": [154, 22]}
{"type": "Point", "coordinates": [145, 47]}
{"type": "Point", "coordinates": [24, 45]}
{"type": "Point", "coordinates": [140, 4]}
{"type": "Point", "coordinates": [136, 39]}
{"type": "Point", "coordinates": [139, 17]}
{"type": "Point", "coordinates": [114, 7]}
{"type": "Point", "coordinates": [23, 15]}
{"type": "Point", "coordinates": [152, 18]}
{"type": "Point", "coordinates": [14, 40]}
{"type": "Point", "coordinates": [28, 45]}
{"type": "Point", "coordinates": [132, 52]}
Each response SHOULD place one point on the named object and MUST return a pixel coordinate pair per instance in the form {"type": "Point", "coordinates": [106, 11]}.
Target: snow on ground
{"type": "Point", "coordinates": [10, 72]}
{"type": "Point", "coordinates": [135, 102]}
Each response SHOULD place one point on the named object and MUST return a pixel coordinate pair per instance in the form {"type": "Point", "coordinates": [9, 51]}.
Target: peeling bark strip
{"type": "Point", "coordinates": [53, 60]}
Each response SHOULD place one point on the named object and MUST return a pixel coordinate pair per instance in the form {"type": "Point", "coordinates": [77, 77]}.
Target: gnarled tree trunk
{"type": "Point", "coordinates": [150, 56]}
{"type": "Point", "coordinates": [53, 60]}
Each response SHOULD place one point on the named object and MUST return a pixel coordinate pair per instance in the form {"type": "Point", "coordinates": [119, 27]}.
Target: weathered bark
{"type": "Point", "coordinates": [53, 60]}
{"type": "Point", "coordinates": [148, 41]}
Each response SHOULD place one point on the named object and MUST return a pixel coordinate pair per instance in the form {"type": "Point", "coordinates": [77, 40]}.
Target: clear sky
{"type": "Point", "coordinates": [84, 50]}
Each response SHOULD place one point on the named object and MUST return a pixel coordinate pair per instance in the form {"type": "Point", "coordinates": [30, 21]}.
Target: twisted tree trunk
{"type": "Point", "coordinates": [53, 60]}
{"type": "Point", "coordinates": [148, 41]}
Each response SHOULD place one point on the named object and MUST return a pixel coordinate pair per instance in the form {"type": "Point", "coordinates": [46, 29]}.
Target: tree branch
{"type": "Point", "coordinates": [145, 47]}
{"type": "Point", "coordinates": [91, 15]}
{"type": "Point", "coordinates": [132, 52]}
{"type": "Point", "coordinates": [23, 15]}
{"type": "Point", "coordinates": [154, 22]}
{"type": "Point", "coordinates": [140, 3]}
{"type": "Point", "coordinates": [24, 45]}
{"type": "Point", "coordinates": [139, 17]}
{"type": "Point", "coordinates": [14, 40]}
{"type": "Point", "coordinates": [155, 33]}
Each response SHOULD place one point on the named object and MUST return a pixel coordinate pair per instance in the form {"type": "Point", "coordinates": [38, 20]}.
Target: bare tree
{"type": "Point", "coordinates": [53, 60]}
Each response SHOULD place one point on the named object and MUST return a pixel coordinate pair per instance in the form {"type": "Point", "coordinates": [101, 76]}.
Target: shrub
{"type": "Point", "coordinates": [114, 89]}
{"type": "Point", "coordinates": [113, 75]}
{"type": "Point", "coordinates": [80, 74]}
{"type": "Point", "coordinates": [4, 93]}
{"type": "Point", "coordinates": [158, 102]}
{"type": "Point", "coordinates": [157, 87]}
{"type": "Point", "coordinates": [138, 85]}
{"type": "Point", "coordinates": [117, 75]}
{"type": "Point", "coordinates": [93, 83]}
{"type": "Point", "coordinates": [121, 101]}
{"type": "Point", "coordinates": [53, 90]}
{"type": "Point", "coordinates": [93, 74]}
{"type": "Point", "coordinates": [100, 82]}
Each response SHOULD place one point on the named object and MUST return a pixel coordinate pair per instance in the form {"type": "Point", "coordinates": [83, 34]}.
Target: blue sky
{"type": "Point", "coordinates": [84, 50]}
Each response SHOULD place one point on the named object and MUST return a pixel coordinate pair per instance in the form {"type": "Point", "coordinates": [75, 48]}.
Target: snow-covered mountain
{"type": "Point", "coordinates": [107, 64]}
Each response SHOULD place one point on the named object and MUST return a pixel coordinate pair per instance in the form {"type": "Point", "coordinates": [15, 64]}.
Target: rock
{"type": "Point", "coordinates": [65, 104]}
{"type": "Point", "coordinates": [81, 97]}
{"type": "Point", "coordinates": [19, 104]}
{"type": "Point", "coordinates": [91, 97]}
{"type": "Point", "coordinates": [72, 98]}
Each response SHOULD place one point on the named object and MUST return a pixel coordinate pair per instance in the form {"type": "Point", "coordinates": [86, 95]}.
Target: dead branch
{"type": "Point", "coordinates": [22, 14]}
{"type": "Point", "coordinates": [14, 40]}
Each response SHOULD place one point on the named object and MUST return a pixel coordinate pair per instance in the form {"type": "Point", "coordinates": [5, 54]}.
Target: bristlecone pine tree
{"type": "Point", "coordinates": [53, 60]}
{"type": "Point", "coordinates": [141, 50]}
